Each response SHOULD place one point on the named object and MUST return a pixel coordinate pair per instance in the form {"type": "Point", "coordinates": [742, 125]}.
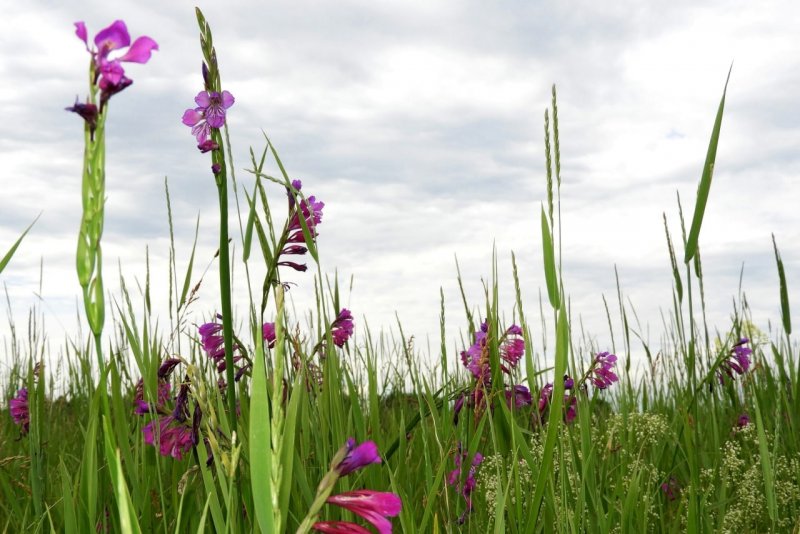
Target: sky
{"type": "Point", "coordinates": [420, 125]}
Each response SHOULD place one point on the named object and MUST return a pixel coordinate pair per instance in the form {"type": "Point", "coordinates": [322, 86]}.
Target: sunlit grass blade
{"type": "Point", "coordinates": [549, 263]}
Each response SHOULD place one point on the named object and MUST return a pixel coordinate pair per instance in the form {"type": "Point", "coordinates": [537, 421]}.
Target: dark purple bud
{"type": "Point", "coordinates": [459, 405]}
{"type": "Point", "coordinates": [294, 249]}
{"type": "Point", "coordinates": [209, 452]}
{"type": "Point", "coordinates": [207, 146]}
{"type": "Point", "coordinates": [296, 266]}
{"type": "Point", "coordinates": [569, 383]}
{"type": "Point", "coordinates": [216, 168]}
{"type": "Point", "coordinates": [181, 412]}
{"type": "Point", "coordinates": [167, 367]}
{"type": "Point", "coordinates": [107, 90]}
{"type": "Point", "coordinates": [206, 75]}
{"type": "Point", "coordinates": [196, 417]}
{"type": "Point", "coordinates": [88, 112]}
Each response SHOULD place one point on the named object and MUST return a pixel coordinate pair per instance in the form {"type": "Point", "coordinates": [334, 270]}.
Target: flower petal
{"type": "Point", "coordinates": [140, 50]}
{"type": "Point", "coordinates": [203, 99]}
{"type": "Point", "coordinates": [227, 99]}
{"type": "Point", "coordinates": [80, 31]}
{"type": "Point", "coordinates": [191, 117]}
{"type": "Point", "coordinates": [112, 38]}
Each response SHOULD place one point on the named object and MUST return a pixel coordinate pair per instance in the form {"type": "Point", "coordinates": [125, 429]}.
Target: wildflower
{"type": "Point", "coordinates": [513, 347]}
{"type": "Point", "coordinates": [209, 113]}
{"type": "Point", "coordinates": [268, 333]}
{"type": "Point", "coordinates": [671, 488]}
{"type": "Point", "coordinates": [518, 396]}
{"type": "Point", "coordinates": [88, 112]}
{"type": "Point", "coordinates": [311, 211]}
{"type": "Point", "coordinates": [342, 327]}
{"type": "Point", "coordinates": [166, 368]}
{"type": "Point", "coordinates": [358, 456]}
{"type": "Point", "coordinates": [18, 406]}
{"type": "Point", "coordinates": [216, 168]}
{"type": "Point", "coordinates": [374, 506]}
{"type": "Point", "coordinates": [109, 73]}
{"type": "Point", "coordinates": [339, 527]}
{"type": "Point", "coordinates": [214, 344]}
{"type": "Point", "coordinates": [743, 420]}
{"type": "Point", "coordinates": [454, 479]}
{"type": "Point", "coordinates": [176, 435]}
{"type": "Point", "coordinates": [570, 401]}
{"type": "Point", "coordinates": [603, 374]}
{"type": "Point", "coordinates": [142, 407]}
{"type": "Point", "coordinates": [738, 361]}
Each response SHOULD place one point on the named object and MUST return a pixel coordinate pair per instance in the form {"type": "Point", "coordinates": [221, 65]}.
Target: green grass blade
{"type": "Point", "coordinates": [785, 314]}
{"type": "Point", "coordinates": [549, 262]}
{"type": "Point", "coordinates": [261, 444]}
{"type": "Point", "coordinates": [14, 247]}
{"type": "Point", "coordinates": [705, 181]}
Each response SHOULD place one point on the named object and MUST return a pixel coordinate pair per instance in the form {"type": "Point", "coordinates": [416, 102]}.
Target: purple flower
{"type": "Point", "coordinates": [743, 420]}
{"type": "Point", "coordinates": [339, 527]}
{"type": "Point", "coordinates": [457, 407]}
{"type": "Point", "coordinates": [110, 75]}
{"type": "Point", "coordinates": [88, 112]}
{"type": "Point", "coordinates": [18, 406]}
{"type": "Point", "coordinates": [671, 488]}
{"type": "Point", "coordinates": [209, 113]}
{"type": "Point", "coordinates": [374, 506]}
{"type": "Point", "coordinates": [311, 211]}
{"type": "Point", "coordinates": [476, 357]}
{"type": "Point", "coordinates": [173, 438]}
{"type": "Point", "coordinates": [167, 367]}
{"type": "Point", "coordinates": [513, 347]}
{"type": "Point", "coordinates": [142, 407]}
{"type": "Point", "coordinates": [518, 396]}
{"type": "Point", "coordinates": [454, 479]}
{"type": "Point", "coordinates": [603, 374]}
{"type": "Point", "coordinates": [570, 401]}
{"type": "Point", "coordinates": [569, 383]}
{"type": "Point", "coordinates": [358, 456]}
{"type": "Point", "coordinates": [212, 340]}
{"type": "Point", "coordinates": [738, 361]}
{"type": "Point", "coordinates": [342, 327]}
{"type": "Point", "coordinates": [268, 334]}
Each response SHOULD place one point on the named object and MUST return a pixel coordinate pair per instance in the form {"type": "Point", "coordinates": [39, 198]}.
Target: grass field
{"type": "Point", "coordinates": [283, 422]}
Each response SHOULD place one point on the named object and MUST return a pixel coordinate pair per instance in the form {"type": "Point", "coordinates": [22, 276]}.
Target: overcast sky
{"type": "Point", "coordinates": [420, 125]}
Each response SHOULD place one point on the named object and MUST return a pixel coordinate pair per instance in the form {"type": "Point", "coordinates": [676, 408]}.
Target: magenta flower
{"type": "Point", "coordinates": [738, 361]}
{"type": "Point", "coordinates": [671, 488]}
{"type": "Point", "coordinates": [454, 479]}
{"type": "Point", "coordinates": [175, 434]}
{"type": "Point", "coordinates": [603, 374]}
{"type": "Point", "coordinates": [142, 407]}
{"type": "Point", "coordinates": [743, 420]}
{"type": "Point", "coordinates": [20, 413]}
{"type": "Point", "coordinates": [339, 527]}
{"type": "Point", "coordinates": [174, 438]}
{"type": "Point", "coordinates": [342, 327]}
{"type": "Point", "coordinates": [513, 347]}
{"type": "Point", "coordinates": [570, 401]}
{"type": "Point", "coordinates": [311, 211]}
{"type": "Point", "coordinates": [209, 113]}
{"type": "Point", "coordinates": [358, 456]}
{"type": "Point", "coordinates": [109, 56]}
{"type": "Point", "coordinates": [212, 340]}
{"type": "Point", "coordinates": [374, 506]}
{"type": "Point", "coordinates": [518, 396]}
{"type": "Point", "coordinates": [268, 333]}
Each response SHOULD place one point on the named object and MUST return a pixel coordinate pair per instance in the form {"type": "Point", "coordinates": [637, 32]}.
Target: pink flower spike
{"type": "Point", "coordinates": [140, 51]}
{"type": "Point", "coordinates": [374, 506]}
{"type": "Point", "coordinates": [339, 527]}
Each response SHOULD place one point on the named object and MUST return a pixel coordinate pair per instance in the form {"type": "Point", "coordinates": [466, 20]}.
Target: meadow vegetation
{"type": "Point", "coordinates": [284, 422]}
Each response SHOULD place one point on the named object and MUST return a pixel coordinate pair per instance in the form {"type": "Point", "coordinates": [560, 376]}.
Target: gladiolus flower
{"type": "Point", "coordinates": [738, 362]}
{"type": "Point", "coordinates": [603, 374]}
{"type": "Point", "coordinates": [454, 479]}
{"type": "Point", "coordinates": [358, 456]}
{"type": "Point", "coordinates": [20, 413]}
{"type": "Point", "coordinates": [209, 113]}
{"type": "Point", "coordinates": [342, 327]}
{"type": "Point", "coordinates": [339, 527]}
{"type": "Point", "coordinates": [374, 506]}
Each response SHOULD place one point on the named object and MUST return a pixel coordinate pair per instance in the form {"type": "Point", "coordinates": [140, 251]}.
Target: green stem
{"type": "Point", "coordinates": [225, 290]}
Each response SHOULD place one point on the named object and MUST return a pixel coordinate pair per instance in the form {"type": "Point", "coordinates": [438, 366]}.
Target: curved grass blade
{"type": "Point", "coordinates": [549, 262]}
{"type": "Point", "coordinates": [785, 314]}
{"type": "Point", "coordinates": [705, 181]}
{"type": "Point", "coordinates": [13, 249]}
